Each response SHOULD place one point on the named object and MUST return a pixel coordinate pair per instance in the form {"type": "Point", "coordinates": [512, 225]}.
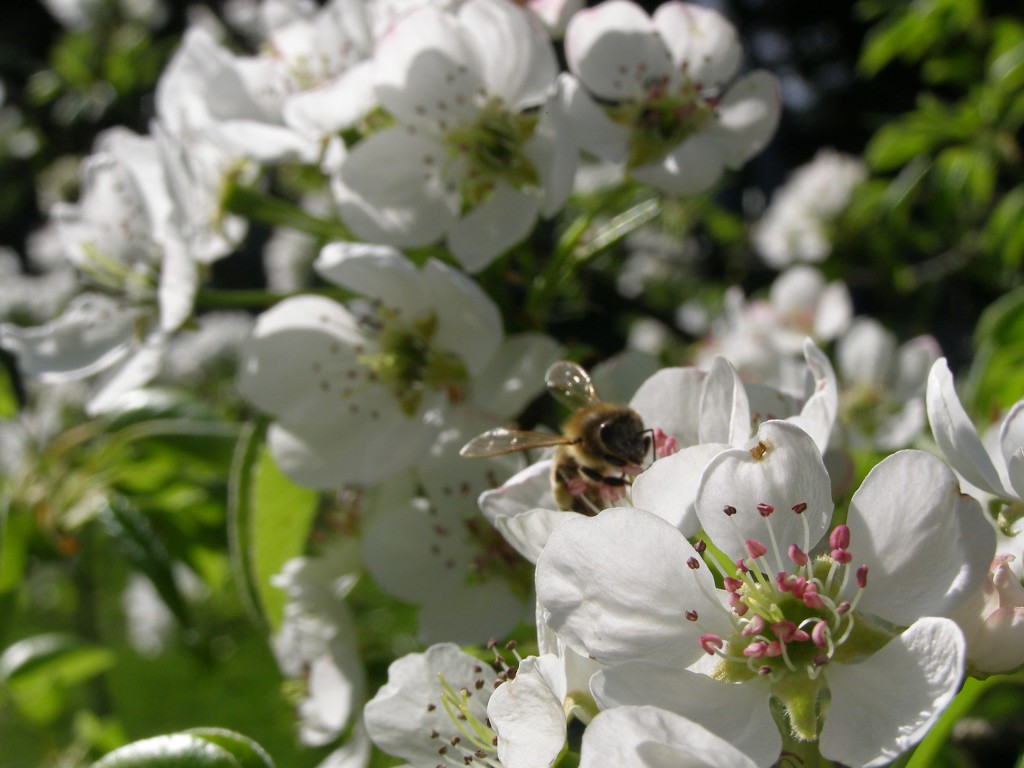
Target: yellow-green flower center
{"type": "Point", "coordinates": [662, 120]}
{"type": "Point", "coordinates": [492, 147]}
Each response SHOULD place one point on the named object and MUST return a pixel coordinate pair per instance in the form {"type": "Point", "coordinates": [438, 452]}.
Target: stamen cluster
{"type": "Point", "coordinates": [794, 622]}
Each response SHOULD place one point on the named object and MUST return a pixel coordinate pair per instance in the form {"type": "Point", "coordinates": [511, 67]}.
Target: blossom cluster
{"type": "Point", "coordinates": [699, 582]}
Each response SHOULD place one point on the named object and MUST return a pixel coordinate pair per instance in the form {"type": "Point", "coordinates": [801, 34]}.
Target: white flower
{"type": "Point", "coordinates": [358, 393]}
{"type": "Point", "coordinates": [441, 707]}
{"type": "Point", "coordinates": [627, 589]}
{"type": "Point", "coordinates": [795, 225]}
{"type": "Point", "coordinates": [479, 151]}
{"type": "Point", "coordinates": [673, 119]}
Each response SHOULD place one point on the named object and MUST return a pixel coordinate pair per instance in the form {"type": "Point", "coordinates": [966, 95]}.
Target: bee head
{"type": "Point", "coordinates": [624, 439]}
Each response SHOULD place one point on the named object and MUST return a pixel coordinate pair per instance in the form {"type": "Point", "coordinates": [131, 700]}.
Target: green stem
{"type": "Point", "coordinates": [573, 254]}
{"type": "Point", "coordinates": [267, 209]}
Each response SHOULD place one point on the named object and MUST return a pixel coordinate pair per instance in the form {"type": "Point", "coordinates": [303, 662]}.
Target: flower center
{"type": "Point", "coordinates": [406, 362]}
{"type": "Point", "coordinates": [790, 626]}
{"type": "Point", "coordinates": [663, 119]}
{"type": "Point", "coordinates": [492, 148]}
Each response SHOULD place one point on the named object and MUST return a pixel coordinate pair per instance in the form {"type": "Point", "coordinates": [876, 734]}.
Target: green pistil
{"type": "Point", "coordinates": [662, 121]}
{"type": "Point", "coordinates": [409, 366]}
{"type": "Point", "coordinates": [799, 695]}
{"type": "Point", "coordinates": [492, 147]}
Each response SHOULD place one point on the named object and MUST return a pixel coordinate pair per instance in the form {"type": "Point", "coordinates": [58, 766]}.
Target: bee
{"type": "Point", "coordinates": [601, 448]}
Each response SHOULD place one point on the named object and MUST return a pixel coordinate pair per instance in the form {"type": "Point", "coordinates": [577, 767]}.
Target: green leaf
{"type": "Point", "coordinates": [15, 531]}
{"type": "Point", "coordinates": [270, 519]}
{"type": "Point", "coordinates": [139, 543]}
{"type": "Point", "coordinates": [38, 672]}
{"type": "Point", "coordinates": [201, 748]}
{"type": "Point", "coordinates": [1004, 233]}
{"type": "Point", "coordinates": [8, 398]}
{"type": "Point", "coordinates": [968, 176]}
{"type": "Point", "coordinates": [996, 378]}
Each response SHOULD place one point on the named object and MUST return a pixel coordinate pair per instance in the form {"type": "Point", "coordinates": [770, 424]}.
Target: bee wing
{"type": "Point", "coordinates": [571, 385]}
{"type": "Point", "coordinates": [496, 442]}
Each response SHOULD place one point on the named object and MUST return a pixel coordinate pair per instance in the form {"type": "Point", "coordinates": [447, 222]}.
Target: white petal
{"type": "Point", "coordinates": [903, 427]}
{"type": "Point", "coordinates": [819, 413]}
{"type": "Point", "coordinates": [692, 167]}
{"type": "Point", "coordinates": [468, 320]}
{"type": "Point", "coordinates": [528, 532]}
{"type": "Point", "coordinates": [554, 14]}
{"type": "Point", "coordinates": [518, 62]}
{"type": "Point", "coordinates": [866, 354]}
{"type": "Point", "coordinates": [526, 490]}
{"type": "Point", "coordinates": [914, 359]}
{"type": "Point", "coordinates": [724, 408]}
{"type": "Point", "coordinates": [399, 719]}
{"type": "Point", "coordinates": [137, 371]}
{"type": "Point", "coordinates": [515, 375]}
{"type": "Point", "coordinates": [592, 570]}
{"type": "Point", "coordinates": [789, 472]}
{"type": "Point", "coordinates": [455, 482]}
{"type": "Point", "coordinates": [835, 310]}
{"type": "Point", "coordinates": [1011, 441]}
{"type": "Point", "coordinates": [389, 191]}
{"type": "Point", "coordinates": [93, 333]}
{"type": "Point", "coordinates": [426, 71]}
{"type": "Point", "coordinates": [426, 555]}
{"type": "Point", "coordinates": [737, 712]}
{"type": "Point", "coordinates": [885, 704]}
{"type": "Point", "coordinates": [927, 546]}
{"type": "Point", "coordinates": [354, 753]}
{"type": "Point", "coordinates": [334, 106]}
{"type": "Point", "coordinates": [594, 131]}
{"type": "Point", "coordinates": [955, 434]}
{"type": "Point", "coordinates": [179, 282]}
{"type": "Point", "coordinates": [670, 400]}
{"type": "Point", "coordinates": [702, 41]}
{"type": "Point", "coordinates": [668, 488]}
{"type": "Point", "coordinates": [298, 358]}
{"type": "Point", "coordinates": [471, 613]}
{"type": "Point", "coordinates": [613, 49]}
{"type": "Point", "coordinates": [553, 151]}
{"type": "Point", "coordinates": [747, 117]}
{"type": "Point", "coordinates": [376, 272]}
{"type": "Point", "coordinates": [491, 228]}
{"type": "Point", "coordinates": [648, 737]}
{"type": "Point", "coordinates": [526, 713]}
{"type": "Point", "coordinates": [351, 448]}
